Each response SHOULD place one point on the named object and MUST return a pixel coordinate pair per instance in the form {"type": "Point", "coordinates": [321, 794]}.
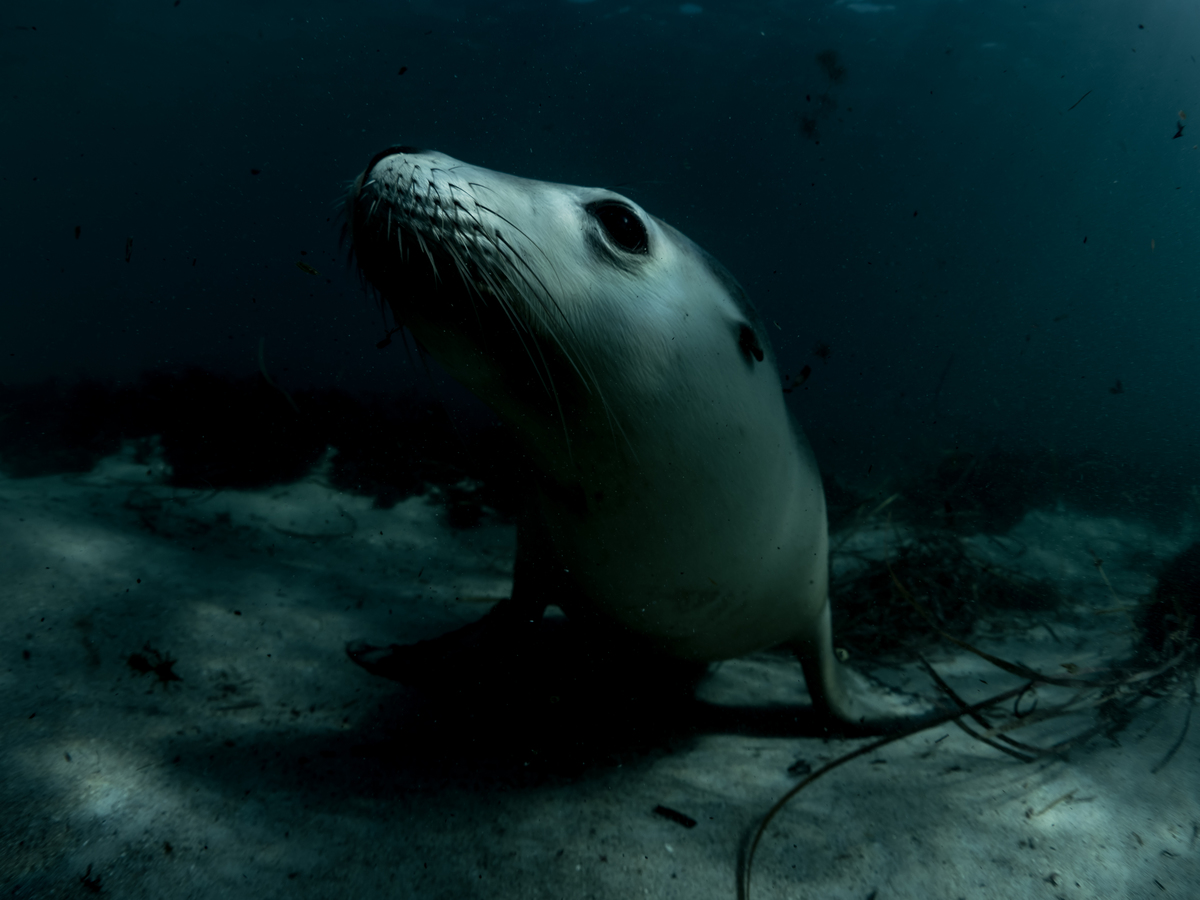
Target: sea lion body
{"type": "Point", "coordinates": [675, 495]}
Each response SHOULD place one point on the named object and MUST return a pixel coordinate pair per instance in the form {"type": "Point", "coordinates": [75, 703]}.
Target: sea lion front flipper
{"type": "Point", "coordinates": [495, 643]}
{"type": "Point", "coordinates": [500, 643]}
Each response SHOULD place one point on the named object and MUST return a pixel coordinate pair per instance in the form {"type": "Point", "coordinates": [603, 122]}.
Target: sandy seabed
{"type": "Point", "coordinates": [179, 719]}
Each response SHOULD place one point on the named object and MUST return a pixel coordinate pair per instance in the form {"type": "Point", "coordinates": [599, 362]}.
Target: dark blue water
{"type": "Point", "coordinates": [980, 208]}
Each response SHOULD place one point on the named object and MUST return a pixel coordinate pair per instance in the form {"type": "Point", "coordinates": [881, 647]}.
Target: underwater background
{"type": "Point", "coordinates": [970, 228]}
{"type": "Point", "coordinates": [979, 210]}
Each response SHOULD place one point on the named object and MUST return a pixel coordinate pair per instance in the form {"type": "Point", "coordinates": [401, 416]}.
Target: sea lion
{"type": "Point", "coordinates": [674, 494]}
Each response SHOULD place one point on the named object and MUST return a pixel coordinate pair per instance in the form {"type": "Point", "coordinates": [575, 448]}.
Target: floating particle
{"type": "Point", "coordinates": [1077, 102]}
{"type": "Point", "coordinates": [675, 816]}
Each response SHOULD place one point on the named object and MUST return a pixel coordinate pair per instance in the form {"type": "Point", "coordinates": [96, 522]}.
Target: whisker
{"type": "Point", "coordinates": [549, 328]}
{"type": "Point", "coordinates": [494, 258]}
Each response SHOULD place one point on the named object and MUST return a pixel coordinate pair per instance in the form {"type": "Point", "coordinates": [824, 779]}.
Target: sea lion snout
{"type": "Point", "coordinates": [399, 149]}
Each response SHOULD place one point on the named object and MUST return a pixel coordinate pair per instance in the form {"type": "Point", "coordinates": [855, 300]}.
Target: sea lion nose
{"type": "Point", "coordinates": [390, 151]}
{"type": "Point", "coordinates": [365, 187]}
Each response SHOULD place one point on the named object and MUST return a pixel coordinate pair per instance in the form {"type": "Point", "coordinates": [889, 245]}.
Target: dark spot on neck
{"type": "Point", "coordinates": [748, 343]}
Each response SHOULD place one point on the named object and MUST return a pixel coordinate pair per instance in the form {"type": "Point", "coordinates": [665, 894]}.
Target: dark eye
{"type": "Point", "coordinates": [623, 226]}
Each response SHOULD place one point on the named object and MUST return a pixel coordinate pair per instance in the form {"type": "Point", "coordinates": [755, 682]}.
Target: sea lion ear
{"type": "Point", "coordinates": [748, 343]}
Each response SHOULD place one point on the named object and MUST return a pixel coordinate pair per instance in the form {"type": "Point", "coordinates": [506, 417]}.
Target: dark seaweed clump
{"type": "Point", "coordinates": [873, 619]}
{"type": "Point", "coordinates": [161, 665]}
{"type": "Point", "coordinates": [1167, 622]}
{"type": "Point", "coordinates": [246, 433]}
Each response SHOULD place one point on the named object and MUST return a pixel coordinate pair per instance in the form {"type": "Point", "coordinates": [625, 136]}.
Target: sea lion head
{"type": "Point", "coordinates": [555, 304]}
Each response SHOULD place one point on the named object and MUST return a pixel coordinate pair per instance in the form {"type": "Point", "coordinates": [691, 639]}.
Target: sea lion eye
{"type": "Point", "coordinates": [623, 226]}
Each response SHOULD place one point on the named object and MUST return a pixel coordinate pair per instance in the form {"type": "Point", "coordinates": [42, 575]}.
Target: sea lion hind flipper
{"type": "Point", "coordinates": [860, 705]}
{"type": "Point", "coordinates": [499, 641]}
